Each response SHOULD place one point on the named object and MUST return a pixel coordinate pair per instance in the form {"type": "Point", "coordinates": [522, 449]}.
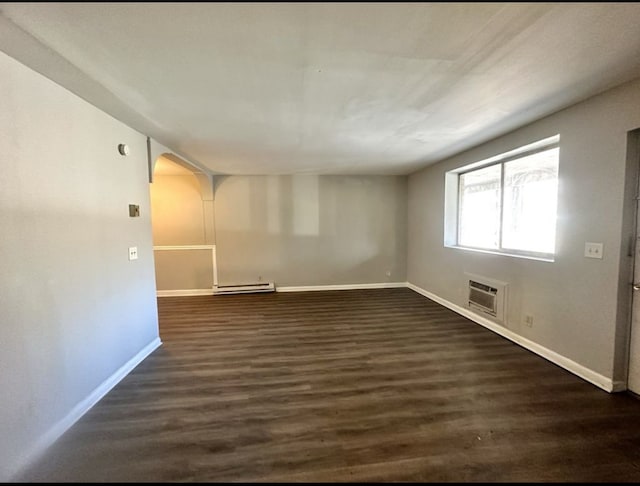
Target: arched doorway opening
{"type": "Point", "coordinates": [182, 221]}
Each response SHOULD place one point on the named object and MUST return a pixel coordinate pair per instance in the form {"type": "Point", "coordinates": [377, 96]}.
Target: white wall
{"type": "Point", "coordinates": [73, 309]}
{"type": "Point", "coordinates": [311, 230]}
{"type": "Point", "coordinates": [574, 300]}
{"type": "Point", "coordinates": [177, 211]}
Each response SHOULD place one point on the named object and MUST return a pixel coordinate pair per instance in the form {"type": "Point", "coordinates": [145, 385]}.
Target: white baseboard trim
{"type": "Point", "coordinates": [303, 288]}
{"type": "Point", "coordinates": [312, 288]}
{"type": "Point", "coordinates": [183, 292]}
{"type": "Point", "coordinates": [619, 386]}
{"type": "Point", "coordinates": [55, 432]}
{"type": "Point", "coordinates": [577, 369]}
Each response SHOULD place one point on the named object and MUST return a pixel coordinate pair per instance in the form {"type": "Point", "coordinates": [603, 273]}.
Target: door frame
{"type": "Point", "coordinates": [627, 274]}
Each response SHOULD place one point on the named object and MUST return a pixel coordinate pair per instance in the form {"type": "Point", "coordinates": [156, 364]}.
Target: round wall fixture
{"type": "Point", "coordinates": [123, 148]}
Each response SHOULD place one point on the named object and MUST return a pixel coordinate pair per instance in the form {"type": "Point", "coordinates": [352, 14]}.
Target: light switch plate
{"type": "Point", "coordinates": [133, 253]}
{"type": "Point", "coordinates": [593, 250]}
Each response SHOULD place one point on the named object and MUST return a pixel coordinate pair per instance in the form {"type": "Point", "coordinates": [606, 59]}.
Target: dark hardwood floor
{"type": "Point", "coordinates": [366, 385]}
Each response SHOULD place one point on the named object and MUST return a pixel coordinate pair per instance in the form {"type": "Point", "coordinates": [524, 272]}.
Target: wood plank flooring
{"type": "Point", "coordinates": [364, 385]}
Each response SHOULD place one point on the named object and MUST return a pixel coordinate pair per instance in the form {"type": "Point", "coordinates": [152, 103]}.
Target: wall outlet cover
{"type": "Point", "coordinates": [593, 250]}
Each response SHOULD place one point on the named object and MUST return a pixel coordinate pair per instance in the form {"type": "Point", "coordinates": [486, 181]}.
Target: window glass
{"type": "Point", "coordinates": [530, 201]}
{"type": "Point", "coordinates": [507, 203]}
{"type": "Point", "coordinates": [479, 218]}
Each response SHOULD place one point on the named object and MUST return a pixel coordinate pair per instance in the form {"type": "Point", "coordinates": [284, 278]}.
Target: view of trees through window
{"type": "Point", "coordinates": [511, 206]}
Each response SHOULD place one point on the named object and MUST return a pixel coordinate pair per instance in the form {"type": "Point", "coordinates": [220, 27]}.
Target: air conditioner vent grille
{"type": "Point", "coordinates": [483, 297]}
{"type": "Point", "coordinates": [484, 287]}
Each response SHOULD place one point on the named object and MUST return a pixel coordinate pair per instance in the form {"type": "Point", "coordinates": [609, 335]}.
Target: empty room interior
{"type": "Point", "coordinates": [319, 242]}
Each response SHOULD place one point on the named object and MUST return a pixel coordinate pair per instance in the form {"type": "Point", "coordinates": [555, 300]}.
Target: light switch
{"type": "Point", "coordinates": [133, 253]}
{"type": "Point", "coordinates": [593, 250]}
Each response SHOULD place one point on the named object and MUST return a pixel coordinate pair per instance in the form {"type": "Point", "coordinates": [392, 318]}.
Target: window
{"type": "Point", "coordinates": [506, 204]}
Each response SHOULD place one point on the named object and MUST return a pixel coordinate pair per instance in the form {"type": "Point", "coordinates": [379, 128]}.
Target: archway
{"type": "Point", "coordinates": [182, 220]}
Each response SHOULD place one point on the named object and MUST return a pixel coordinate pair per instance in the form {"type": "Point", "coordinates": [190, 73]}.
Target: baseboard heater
{"type": "Point", "coordinates": [244, 289]}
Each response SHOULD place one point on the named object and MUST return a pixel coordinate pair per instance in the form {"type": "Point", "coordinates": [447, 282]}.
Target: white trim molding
{"type": "Point", "coordinates": [310, 288]}
{"type": "Point", "coordinates": [183, 247]}
{"type": "Point", "coordinates": [304, 288]}
{"type": "Point", "coordinates": [76, 413]}
{"type": "Point", "coordinates": [583, 372]}
{"type": "Point", "coordinates": [183, 292]}
{"type": "Point", "coordinates": [619, 386]}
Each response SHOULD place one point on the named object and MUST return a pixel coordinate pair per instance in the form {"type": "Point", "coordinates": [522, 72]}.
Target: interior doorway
{"type": "Point", "coordinates": [633, 376]}
{"type": "Point", "coordinates": [182, 221]}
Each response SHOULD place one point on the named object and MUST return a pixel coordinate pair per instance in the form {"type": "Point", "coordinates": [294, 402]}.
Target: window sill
{"type": "Point", "coordinates": [549, 259]}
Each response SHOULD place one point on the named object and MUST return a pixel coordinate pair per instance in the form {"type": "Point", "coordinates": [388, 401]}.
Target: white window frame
{"type": "Point", "coordinates": [452, 199]}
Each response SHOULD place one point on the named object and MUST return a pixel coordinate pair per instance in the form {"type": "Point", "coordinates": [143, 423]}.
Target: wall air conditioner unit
{"type": "Point", "coordinates": [487, 296]}
{"type": "Point", "coordinates": [483, 297]}
{"type": "Point", "coordinates": [244, 289]}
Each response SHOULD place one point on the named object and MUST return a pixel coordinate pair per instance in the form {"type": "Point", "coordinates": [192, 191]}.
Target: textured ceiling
{"type": "Point", "coordinates": [330, 88]}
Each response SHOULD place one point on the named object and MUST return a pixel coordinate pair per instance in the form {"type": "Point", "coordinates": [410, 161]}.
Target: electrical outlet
{"type": "Point", "coordinates": [133, 253]}
{"type": "Point", "coordinates": [528, 320]}
{"type": "Point", "coordinates": [259, 278]}
{"type": "Point", "coordinates": [388, 272]}
{"type": "Point", "coordinates": [593, 250]}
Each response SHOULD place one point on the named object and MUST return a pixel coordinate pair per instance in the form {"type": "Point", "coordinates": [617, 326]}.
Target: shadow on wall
{"type": "Point", "coordinates": [302, 205]}
{"type": "Point", "coordinates": [311, 229]}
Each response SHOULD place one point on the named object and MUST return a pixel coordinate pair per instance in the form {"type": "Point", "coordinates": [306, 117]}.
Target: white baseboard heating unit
{"type": "Point", "coordinates": [244, 289]}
